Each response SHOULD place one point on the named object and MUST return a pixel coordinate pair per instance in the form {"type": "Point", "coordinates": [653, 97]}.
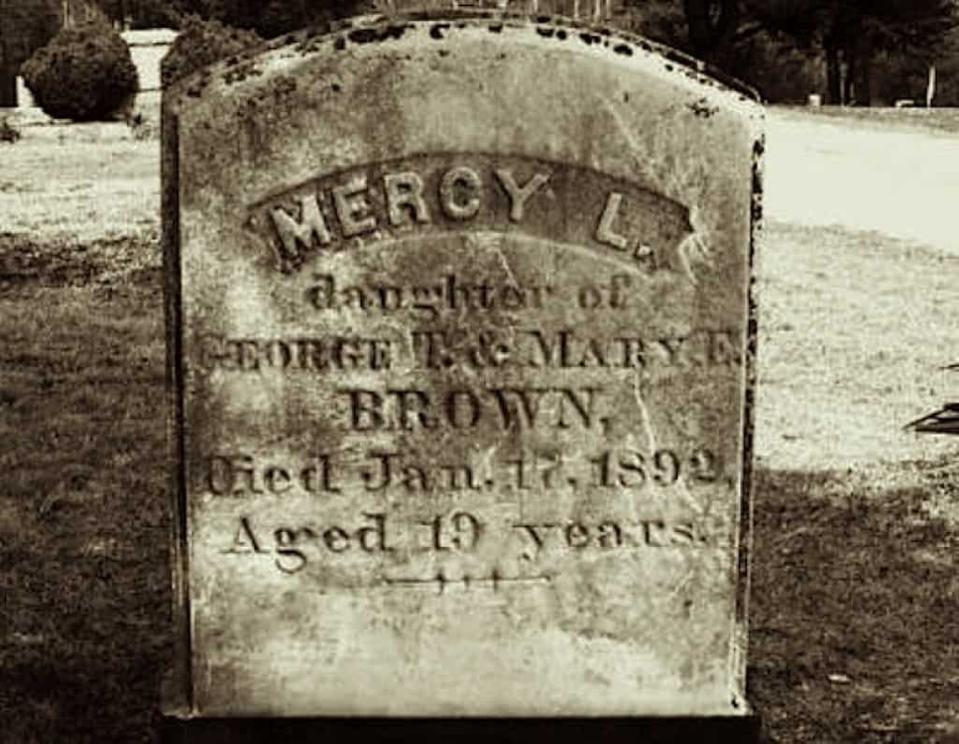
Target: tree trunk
{"type": "Point", "coordinates": [711, 25]}
{"type": "Point", "coordinates": [8, 75]}
{"type": "Point", "coordinates": [8, 88]}
{"type": "Point", "coordinates": [862, 75]}
{"type": "Point", "coordinates": [849, 79]}
{"type": "Point", "coordinates": [833, 76]}
{"type": "Point", "coordinates": [863, 81]}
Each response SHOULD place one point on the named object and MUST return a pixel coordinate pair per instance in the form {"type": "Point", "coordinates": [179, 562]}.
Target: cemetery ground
{"type": "Point", "coordinates": [855, 586]}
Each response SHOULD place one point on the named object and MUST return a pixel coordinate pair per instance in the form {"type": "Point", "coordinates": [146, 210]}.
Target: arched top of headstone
{"type": "Point", "coordinates": [593, 11]}
{"type": "Point", "coordinates": [600, 26]}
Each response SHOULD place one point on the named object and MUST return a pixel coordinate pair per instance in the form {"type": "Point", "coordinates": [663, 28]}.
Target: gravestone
{"type": "Point", "coordinates": [461, 344]}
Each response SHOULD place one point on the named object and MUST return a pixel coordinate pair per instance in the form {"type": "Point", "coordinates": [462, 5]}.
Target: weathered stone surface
{"type": "Point", "coordinates": [460, 323]}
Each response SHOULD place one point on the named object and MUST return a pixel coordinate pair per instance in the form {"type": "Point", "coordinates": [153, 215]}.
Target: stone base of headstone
{"type": "Point", "coordinates": [734, 730]}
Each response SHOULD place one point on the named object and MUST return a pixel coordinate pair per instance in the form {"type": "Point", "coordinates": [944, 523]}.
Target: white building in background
{"type": "Point", "coordinates": [147, 47]}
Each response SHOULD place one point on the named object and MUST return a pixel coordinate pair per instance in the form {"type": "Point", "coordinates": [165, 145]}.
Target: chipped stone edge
{"type": "Point", "coordinates": [740, 641]}
{"type": "Point", "coordinates": [176, 694]}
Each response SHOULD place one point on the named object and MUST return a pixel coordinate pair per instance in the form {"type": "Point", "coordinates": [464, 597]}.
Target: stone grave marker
{"type": "Point", "coordinates": [461, 344]}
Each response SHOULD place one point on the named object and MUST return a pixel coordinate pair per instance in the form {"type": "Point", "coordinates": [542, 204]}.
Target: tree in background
{"type": "Point", "coordinates": [25, 26]}
{"type": "Point", "coordinates": [712, 26]}
{"type": "Point", "coordinates": [276, 17]}
{"type": "Point", "coordinates": [947, 66]}
{"type": "Point", "coordinates": [778, 45]}
{"type": "Point", "coordinates": [870, 47]}
{"type": "Point", "coordinates": [75, 13]}
{"type": "Point", "coordinates": [661, 20]}
{"type": "Point", "coordinates": [851, 33]}
{"type": "Point", "coordinates": [268, 18]}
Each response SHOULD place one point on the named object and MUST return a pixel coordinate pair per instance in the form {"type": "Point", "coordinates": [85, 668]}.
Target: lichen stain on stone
{"type": "Point", "coordinates": [702, 108]}
{"type": "Point", "coordinates": [240, 71]}
{"type": "Point", "coordinates": [284, 85]}
{"type": "Point", "coordinates": [759, 149]}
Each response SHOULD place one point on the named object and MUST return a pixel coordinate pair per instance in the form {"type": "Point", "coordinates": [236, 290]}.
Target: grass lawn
{"type": "Point", "coordinates": [855, 594]}
{"type": "Point", "coordinates": [854, 631]}
{"type": "Point", "coordinates": [83, 519]}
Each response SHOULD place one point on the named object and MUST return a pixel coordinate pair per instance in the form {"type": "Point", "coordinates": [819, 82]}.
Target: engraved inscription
{"type": "Point", "coordinates": [287, 543]}
{"type": "Point", "coordinates": [568, 348]}
{"type": "Point", "coordinates": [505, 408]}
{"type": "Point", "coordinates": [476, 350]}
{"type": "Point", "coordinates": [292, 548]}
{"type": "Point", "coordinates": [621, 221]}
{"type": "Point", "coordinates": [242, 475]}
{"type": "Point", "coordinates": [320, 354]}
{"type": "Point", "coordinates": [452, 294]}
{"type": "Point", "coordinates": [432, 349]}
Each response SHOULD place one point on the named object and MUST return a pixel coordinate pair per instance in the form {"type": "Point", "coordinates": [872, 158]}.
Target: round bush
{"type": "Point", "coordinates": [84, 74]}
{"type": "Point", "coordinates": [201, 43]}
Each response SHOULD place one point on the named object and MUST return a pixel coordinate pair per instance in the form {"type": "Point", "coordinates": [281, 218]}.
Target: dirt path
{"type": "Point", "coordinates": [900, 182]}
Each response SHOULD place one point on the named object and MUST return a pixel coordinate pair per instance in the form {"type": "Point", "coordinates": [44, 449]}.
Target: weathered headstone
{"type": "Point", "coordinates": [461, 337]}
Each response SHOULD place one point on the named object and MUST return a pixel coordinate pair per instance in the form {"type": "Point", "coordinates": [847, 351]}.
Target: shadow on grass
{"type": "Point", "coordinates": [83, 514]}
{"type": "Point", "coordinates": [854, 612]}
{"type": "Point", "coordinates": [855, 599]}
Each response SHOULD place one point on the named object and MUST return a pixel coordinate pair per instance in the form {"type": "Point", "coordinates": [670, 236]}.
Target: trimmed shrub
{"type": "Point", "coordinates": [201, 43]}
{"type": "Point", "coordinates": [272, 18]}
{"type": "Point", "coordinates": [84, 74]}
{"type": "Point", "coordinates": [773, 64]}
